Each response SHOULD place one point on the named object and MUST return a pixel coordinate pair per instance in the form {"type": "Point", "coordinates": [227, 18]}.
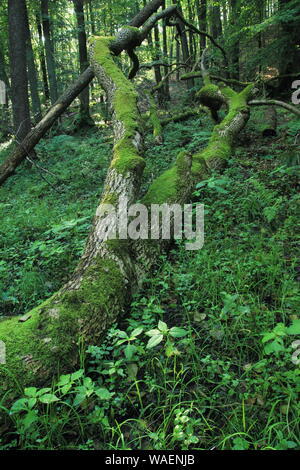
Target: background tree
{"type": "Point", "coordinates": [18, 67]}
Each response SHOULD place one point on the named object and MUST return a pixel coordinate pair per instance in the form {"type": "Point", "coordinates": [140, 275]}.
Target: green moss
{"type": "Point", "coordinates": [167, 187]}
{"type": "Point", "coordinates": [47, 342]}
{"type": "Point", "coordinates": [25, 352]}
{"type": "Point", "coordinates": [126, 157]}
{"type": "Point", "coordinates": [219, 148]}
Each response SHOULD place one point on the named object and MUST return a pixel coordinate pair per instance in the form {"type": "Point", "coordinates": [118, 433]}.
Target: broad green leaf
{"type": "Point", "coordinates": [77, 375]}
{"type": "Point", "coordinates": [31, 391]}
{"type": "Point", "coordinates": [19, 405]}
{"type": "Point", "coordinates": [154, 341]}
{"type": "Point", "coordinates": [129, 351]}
{"type": "Point", "coordinates": [137, 332]}
{"type": "Point", "coordinates": [294, 329]}
{"type": "Point", "coordinates": [48, 398]}
{"type": "Point", "coordinates": [103, 393]}
{"type": "Point", "coordinates": [177, 332]}
{"type": "Point", "coordinates": [162, 326]}
{"type": "Point", "coordinates": [79, 398]}
{"type": "Point", "coordinates": [153, 332]}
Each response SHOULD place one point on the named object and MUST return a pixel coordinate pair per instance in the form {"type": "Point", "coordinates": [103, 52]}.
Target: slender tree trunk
{"type": "Point", "coordinates": [42, 58]}
{"type": "Point", "coordinates": [165, 53]}
{"type": "Point", "coordinates": [157, 69]}
{"type": "Point", "coordinates": [184, 45]}
{"type": "Point", "coordinates": [215, 21]}
{"type": "Point", "coordinates": [32, 73]}
{"type": "Point", "coordinates": [18, 71]}
{"type": "Point", "coordinates": [85, 118]}
{"type": "Point", "coordinates": [201, 6]}
{"type": "Point", "coordinates": [235, 50]}
{"type": "Point", "coordinates": [92, 17]}
{"type": "Point", "coordinates": [49, 50]}
{"type": "Point", "coordinates": [290, 53]}
{"type": "Point", "coordinates": [3, 75]}
{"type": "Point", "coordinates": [4, 93]}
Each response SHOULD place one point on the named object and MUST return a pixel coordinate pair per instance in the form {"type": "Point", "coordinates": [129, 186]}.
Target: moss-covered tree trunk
{"type": "Point", "coordinates": [100, 290]}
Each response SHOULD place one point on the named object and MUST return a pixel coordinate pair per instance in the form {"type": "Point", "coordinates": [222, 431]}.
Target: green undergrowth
{"type": "Point", "coordinates": [204, 358]}
{"type": "Point", "coordinates": [46, 211]}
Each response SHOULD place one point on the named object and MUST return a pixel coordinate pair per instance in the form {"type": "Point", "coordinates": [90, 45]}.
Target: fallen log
{"type": "Point", "coordinates": [24, 148]}
{"type": "Point", "coordinates": [101, 288]}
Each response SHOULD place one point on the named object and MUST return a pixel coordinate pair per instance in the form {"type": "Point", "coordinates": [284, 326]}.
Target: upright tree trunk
{"type": "Point", "coordinates": [42, 58]}
{"type": "Point", "coordinates": [18, 71]}
{"type": "Point", "coordinates": [3, 74]}
{"type": "Point", "coordinates": [290, 53]}
{"type": "Point", "coordinates": [235, 50]}
{"type": "Point", "coordinates": [184, 45]}
{"type": "Point", "coordinates": [157, 69]}
{"type": "Point", "coordinates": [32, 73]}
{"type": "Point", "coordinates": [92, 17]}
{"type": "Point", "coordinates": [49, 50]}
{"type": "Point", "coordinates": [85, 118]}
{"type": "Point", "coordinates": [215, 21]}
{"type": "Point", "coordinates": [201, 6]}
{"type": "Point", "coordinates": [165, 53]}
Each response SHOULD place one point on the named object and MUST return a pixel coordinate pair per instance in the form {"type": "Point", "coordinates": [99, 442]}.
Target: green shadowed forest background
{"type": "Point", "coordinates": [202, 354]}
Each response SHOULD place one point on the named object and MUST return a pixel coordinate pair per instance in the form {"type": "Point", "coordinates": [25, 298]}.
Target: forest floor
{"type": "Point", "coordinates": [227, 380]}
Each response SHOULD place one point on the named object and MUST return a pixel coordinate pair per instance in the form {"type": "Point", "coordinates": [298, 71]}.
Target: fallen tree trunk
{"type": "Point", "coordinates": [110, 270]}
{"type": "Point", "coordinates": [34, 136]}
{"type": "Point", "coordinates": [281, 104]}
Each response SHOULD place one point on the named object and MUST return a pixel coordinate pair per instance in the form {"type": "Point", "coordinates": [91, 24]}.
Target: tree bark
{"type": "Point", "coordinates": [235, 49]}
{"type": "Point", "coordinates": [201, 6]}
{"type": "Point", "coordinates": [32, 73]}
{"type": "Point", "coordinates": [42, 58]}
{"type": "Point", "coordinates": [49, 51]}
{"type": "Point", "coordinates": [215, 21]}
{"type": "Point", "coordinates": [18, 71]}
{"type": "Point", "coordinates": [290, 53]}
{"type": "Point", "coordinates": [165, 53]}
{"type": "Point", "coordinates": [84, 118]}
